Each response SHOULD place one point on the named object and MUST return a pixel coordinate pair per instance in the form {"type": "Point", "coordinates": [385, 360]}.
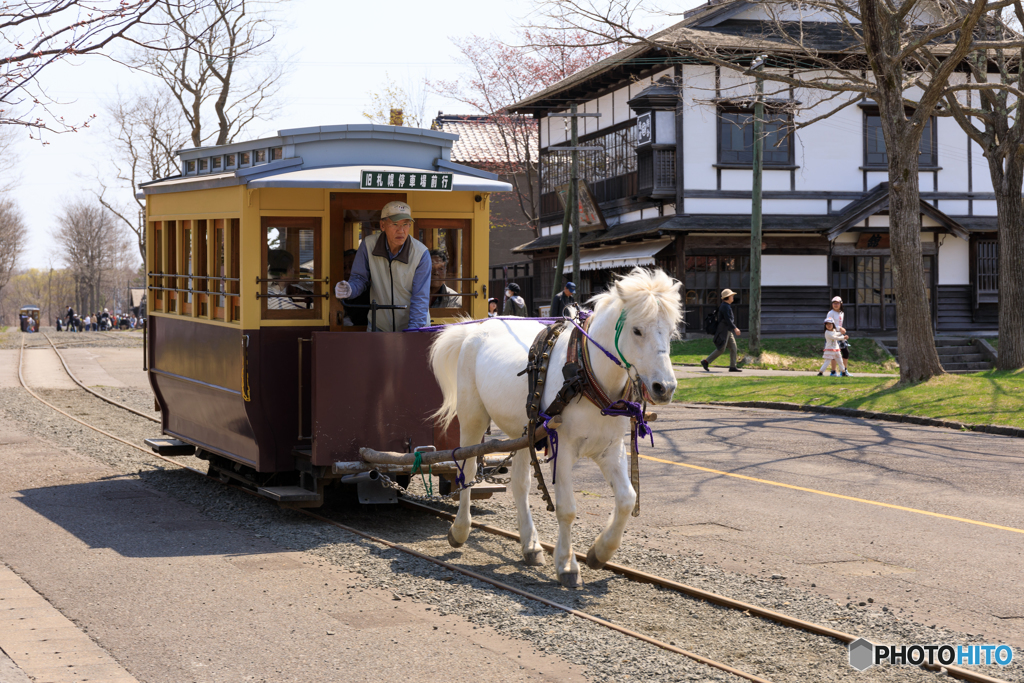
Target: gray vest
{"type": "Point", "coordinates": [399, 272]}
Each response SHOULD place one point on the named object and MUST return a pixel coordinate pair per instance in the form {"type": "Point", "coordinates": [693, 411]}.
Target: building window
{"type": "Point", "coordinates": [874, 143]}
{"type": "Point", "coordinates": [610, 174]}
{"type": "Point", "coordinates": [706, 277]}
{"type": "Point", "coordinates": [736, 138]}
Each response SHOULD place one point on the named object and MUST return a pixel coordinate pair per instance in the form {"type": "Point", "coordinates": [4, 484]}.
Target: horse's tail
{"type": "Point", "coordinates": [444, 361]}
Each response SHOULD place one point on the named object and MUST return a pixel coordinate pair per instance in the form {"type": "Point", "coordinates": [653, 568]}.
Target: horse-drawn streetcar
{"type": "Point", "coordinates": [254, 362]}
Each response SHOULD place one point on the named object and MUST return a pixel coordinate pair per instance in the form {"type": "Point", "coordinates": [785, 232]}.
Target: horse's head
{"type": "Point", "coordinates": [653, 310]}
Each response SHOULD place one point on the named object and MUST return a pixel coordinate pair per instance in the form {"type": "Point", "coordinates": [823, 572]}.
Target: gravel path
{"type": "Point", "coordinates": [751, 644]}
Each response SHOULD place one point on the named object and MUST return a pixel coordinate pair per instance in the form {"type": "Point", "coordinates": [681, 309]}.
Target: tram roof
{"type": "Point", "coordinates": [324, 157]}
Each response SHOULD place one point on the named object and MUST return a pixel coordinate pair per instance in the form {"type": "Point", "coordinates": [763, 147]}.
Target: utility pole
{"type": "Point", "coordinates": [571, 216]}
{"type": "Point", "coordinates": [754, 320]}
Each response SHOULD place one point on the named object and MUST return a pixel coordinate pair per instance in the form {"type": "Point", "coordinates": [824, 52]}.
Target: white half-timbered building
{"type": "Point", "coordinates": [673, 183]}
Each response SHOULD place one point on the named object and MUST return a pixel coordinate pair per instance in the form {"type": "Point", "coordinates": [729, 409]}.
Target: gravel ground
{"type": "Point", "coordinates": [117, 339]}
{"type": "Point", "coordinates": [748, 643]}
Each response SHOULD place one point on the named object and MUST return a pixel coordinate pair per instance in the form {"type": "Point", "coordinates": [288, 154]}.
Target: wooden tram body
{"type": "Point", "coordinates": [26, 312]}
{"type": "Point", "coordinates": [264, 389]}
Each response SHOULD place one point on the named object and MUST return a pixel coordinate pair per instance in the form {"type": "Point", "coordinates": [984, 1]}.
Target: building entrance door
{"type": "Point", "coordinates": [865, 285]}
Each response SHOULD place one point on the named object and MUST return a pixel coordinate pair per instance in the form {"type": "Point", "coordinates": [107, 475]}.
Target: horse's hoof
{"type": "Point", "coordinates": [570, 580]}
{"type": "Point", "coordinates": [592, 560]}
{"type": "Point", "coordinates": [534, 558]}
{"type": "Point", "coordinates": [452, 542]}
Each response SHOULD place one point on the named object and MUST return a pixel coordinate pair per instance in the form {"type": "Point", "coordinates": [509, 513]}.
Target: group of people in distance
{"type": "Point", "coordinates": [836, 352]}
{"type": "Point", "coordinates": [515, 305]}
{"type": "Point", "coordinates": [99, 322]}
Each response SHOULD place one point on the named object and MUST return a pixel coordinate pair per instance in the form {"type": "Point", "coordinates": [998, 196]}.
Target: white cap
{"type": "Point", "coordinates": [396, 211]}
{"type": "Point", "coordinates": [836, 298]}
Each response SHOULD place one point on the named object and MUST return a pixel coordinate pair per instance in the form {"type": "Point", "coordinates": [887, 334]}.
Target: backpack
{"type": "Point", "coordinates": [711, 322]}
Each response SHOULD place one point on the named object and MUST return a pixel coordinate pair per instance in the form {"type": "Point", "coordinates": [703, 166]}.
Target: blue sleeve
{"type": "Point", "coordinates": [419, 312]}
{"type": "Point", "coordinates": [359, 278]}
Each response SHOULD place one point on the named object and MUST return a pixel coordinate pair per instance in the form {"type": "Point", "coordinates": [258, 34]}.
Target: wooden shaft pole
{"type": "Point", "coordinates": [432, 457]}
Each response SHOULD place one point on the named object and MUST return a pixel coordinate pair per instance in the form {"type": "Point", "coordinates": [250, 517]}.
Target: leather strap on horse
{"type": "Point", "coordinates": [536, 374]}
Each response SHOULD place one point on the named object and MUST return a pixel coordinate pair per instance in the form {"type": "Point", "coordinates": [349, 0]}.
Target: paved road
{"type": "Point", "coordinates": [847, 533]}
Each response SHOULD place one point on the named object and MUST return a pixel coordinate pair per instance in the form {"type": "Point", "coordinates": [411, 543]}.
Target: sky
{"type": "Point", "coordinates": [339, 50]}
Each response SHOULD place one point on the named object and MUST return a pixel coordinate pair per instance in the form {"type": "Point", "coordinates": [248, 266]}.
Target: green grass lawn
{"type": "Point", "coordinates": [994, 397]}
{"type": "Point", "coordinates": [802, 353]}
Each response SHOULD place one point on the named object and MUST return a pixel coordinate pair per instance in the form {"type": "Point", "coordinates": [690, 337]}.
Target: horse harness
{"type": "Point", "coordinates": [577, 380]}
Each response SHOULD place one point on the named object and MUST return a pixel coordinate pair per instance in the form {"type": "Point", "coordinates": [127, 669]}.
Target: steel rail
{"type": "Point", "coordinates": [633, 574]}
{"type": "Point", "coordinates": [707, 596]}
{"type": "Point", "coordinates": [95, 393]}
{"type": "Point", "coordinates": [42, 400]}
{"type": "Point", "coordinates": [441, 563]}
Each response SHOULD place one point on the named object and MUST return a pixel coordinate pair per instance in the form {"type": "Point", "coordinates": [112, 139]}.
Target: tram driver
{"type": "Point", "coordinates": [396, 269]}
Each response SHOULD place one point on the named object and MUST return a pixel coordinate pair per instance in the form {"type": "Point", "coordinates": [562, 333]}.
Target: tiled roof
{"type": "Point", "coordinates": [480, 138]}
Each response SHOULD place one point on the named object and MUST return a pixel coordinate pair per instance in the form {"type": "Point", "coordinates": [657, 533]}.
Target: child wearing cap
{"type": "Point", "coordinates": [831, 353]}
{"type": "Point", "coordinates": [837, 315]}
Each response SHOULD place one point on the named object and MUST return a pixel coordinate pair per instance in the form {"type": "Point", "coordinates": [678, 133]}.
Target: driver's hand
{"type": "Point", "coordinates": [343, 290]}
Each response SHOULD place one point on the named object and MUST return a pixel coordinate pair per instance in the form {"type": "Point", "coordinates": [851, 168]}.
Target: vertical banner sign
{"type": "Point", "coordinates": [405, 180]}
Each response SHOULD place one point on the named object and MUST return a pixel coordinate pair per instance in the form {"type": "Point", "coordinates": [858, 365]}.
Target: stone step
{"type": "Point", "coordinates": [962, 358]}
{"type": "Point", "coordinates": [955, 350]}
{"type": "Point", "coordinates": [966, 367]}
{"type": "Point", "coordinates": [940, 342]}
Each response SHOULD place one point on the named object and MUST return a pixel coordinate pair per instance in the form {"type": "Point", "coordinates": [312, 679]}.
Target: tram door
{"type": "Point", "coordinates": [354, 215]}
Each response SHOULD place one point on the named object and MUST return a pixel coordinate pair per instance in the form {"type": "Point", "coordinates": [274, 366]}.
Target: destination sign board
{"type": "Point", "coordinates": [405, 180]}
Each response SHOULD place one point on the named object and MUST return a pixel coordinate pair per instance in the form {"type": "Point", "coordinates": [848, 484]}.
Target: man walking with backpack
{"type": "Point", "coordinates": [725, 333]}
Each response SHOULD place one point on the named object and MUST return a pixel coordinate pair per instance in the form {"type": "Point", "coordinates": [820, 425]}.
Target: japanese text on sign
{"type": "Point", "coordinates": [405, 180]}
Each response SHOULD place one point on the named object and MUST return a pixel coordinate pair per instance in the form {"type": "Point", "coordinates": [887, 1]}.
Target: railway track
{"type": "Point", "coordinates": [750, 610]}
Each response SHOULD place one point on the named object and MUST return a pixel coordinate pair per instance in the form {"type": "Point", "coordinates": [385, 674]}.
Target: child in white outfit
{"type": "Point", "coordinates": [832, 351]}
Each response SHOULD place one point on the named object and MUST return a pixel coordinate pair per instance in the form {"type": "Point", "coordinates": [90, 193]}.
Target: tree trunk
{"type": "Point", "coordinates": [1007, 185]}
{"type": "Point", "coordinates": [918, 358]}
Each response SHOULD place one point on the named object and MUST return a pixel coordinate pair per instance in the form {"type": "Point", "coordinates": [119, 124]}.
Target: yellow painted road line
{"type": "Point", "coordinates": [834, 495]}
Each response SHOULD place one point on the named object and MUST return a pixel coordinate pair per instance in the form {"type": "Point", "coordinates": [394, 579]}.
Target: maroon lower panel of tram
{"type": "Point", "coordinates": [372, 389]}
{"type": "Point", "coordinates": [196, 374]}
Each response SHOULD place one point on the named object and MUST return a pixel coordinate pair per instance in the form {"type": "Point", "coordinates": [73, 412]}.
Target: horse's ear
{"type": "Point", "coordinates": [619, 291]}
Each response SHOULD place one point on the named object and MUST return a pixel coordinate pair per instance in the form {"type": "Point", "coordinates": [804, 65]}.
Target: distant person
{"type": "Point", "coordinates": [831, 353]}
{"type": "Point", "coordinates": [837, 315]}
{"type": "Point", "coordinates": [726, 333]}
{"type": "Point", "coordinates": [492, 308]}
{"type": "Point", "coordinates": [86, 323]}
{"type": "Point", "coordinates": [563, 300]}
{"type": "Point", "coordinates": [281, 266]}
{"type": "Point", "coordinates": [514, 304]}
{"type": "Point", "coordinates": [441, 295]}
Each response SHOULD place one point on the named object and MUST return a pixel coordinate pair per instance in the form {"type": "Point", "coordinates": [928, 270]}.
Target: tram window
{"type": "Point", "coordinates": [260, 156]}
{"type": "Point", "coordinates": [201, 264]}
{"type": "Point", "coordinates": [190, 167]}
{"type": "Point", "coordinates": [156, 296]}
{"type": "Point", "coordinates": [219, 269]}
{"type": "Point", "coordinates": [172, 266]}
{"type": "Point", "coordinates": [229, 160]}
{"type": "Point", "coordinates": [276, 153]}
{"type": "Point", "coordinates": [233, 272]}
{"type": "Point", "coordinates": [203, 165]}
{"type": "Point", "coordinates": [448, 240]}
{"type": "Point", "coordinates": [186, 268]}
{"type": "Point", "coordinates": [216, 162]}
{"type": "Point", "coordinates": [291, 261]}
{"type": "Point", "coordinates": [243, 159]}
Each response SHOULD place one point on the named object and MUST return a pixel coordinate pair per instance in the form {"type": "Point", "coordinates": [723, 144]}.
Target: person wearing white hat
{"type": "Point", "coordinates": [396, 268]}
{"type": "Point", "coordinates": [726, 333]}
{"type": "Point", "coordinates": [837, 315]}
{"type": "Point", "coordinates": [831, 353]}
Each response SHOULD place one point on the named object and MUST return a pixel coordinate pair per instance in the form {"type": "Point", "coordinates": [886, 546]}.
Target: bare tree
{"type": "Point", "coordinates": [147, 131]}
{"type": "Point", "coordinates": [13, 240]}
{"type": "Point", "coordinates": [991, 117]}
{"type": "Point", "coordinates": [879, 59]}
{"type": "Point", "coordinates": [499, 74]}
{"type": "Point", "coordinates": [92, 245]}
{"type": "Point", "coordinates": [225, 76]}
{"type": "Point", "coordinates": [36, 34]}
{"type": "Point", "coordinates": [397, 105]}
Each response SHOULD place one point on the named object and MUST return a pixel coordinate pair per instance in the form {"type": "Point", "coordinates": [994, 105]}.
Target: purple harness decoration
{"type": "Point", "coordinates": [460, 478]}
{"type": "Point", "coordinates": [635, 412]}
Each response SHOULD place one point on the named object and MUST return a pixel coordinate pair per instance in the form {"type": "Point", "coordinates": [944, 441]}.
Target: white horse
{"type": "Point", "coordinates": [478, 368]}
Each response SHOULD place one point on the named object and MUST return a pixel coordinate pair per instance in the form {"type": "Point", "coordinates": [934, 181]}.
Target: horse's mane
{"type": "Point", "coordinates": [648, 295]}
